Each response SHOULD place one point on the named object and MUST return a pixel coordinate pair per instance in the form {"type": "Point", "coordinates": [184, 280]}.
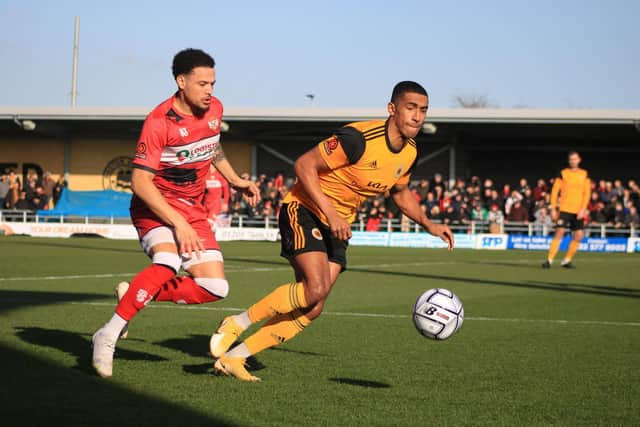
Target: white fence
{"type": "Point", "coordinates": [387, 225]}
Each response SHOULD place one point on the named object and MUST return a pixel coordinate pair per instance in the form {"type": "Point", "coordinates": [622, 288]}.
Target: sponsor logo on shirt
{"type": "Point", "coordinates": [183, 132]}
{"type": "Point", "coordinates": [141, 150]}
{"type": "Point", "coordinates": [330, 144]}
{"type": "Point", "coordinates": [191, 153]}
{"type": "Point", "coordinates": [214, 124]}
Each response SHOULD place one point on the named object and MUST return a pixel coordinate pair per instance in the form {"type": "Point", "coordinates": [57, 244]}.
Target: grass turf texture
{"type": "Point", "coordinates": [513, 362]}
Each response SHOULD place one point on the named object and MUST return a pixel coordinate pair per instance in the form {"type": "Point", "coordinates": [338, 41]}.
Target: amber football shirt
{"type": "Point", "coordinates": [363, 164]}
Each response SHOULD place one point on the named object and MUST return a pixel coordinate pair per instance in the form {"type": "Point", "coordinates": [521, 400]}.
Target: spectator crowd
{"type": "Point", "coordinates": [36, 193]}
{"type": "Point", "coordinates": [612, 203]}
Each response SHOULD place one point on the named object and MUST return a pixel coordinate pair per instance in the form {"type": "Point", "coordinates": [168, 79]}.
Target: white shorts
{"type": "Point", "coordinates": [165, 235]}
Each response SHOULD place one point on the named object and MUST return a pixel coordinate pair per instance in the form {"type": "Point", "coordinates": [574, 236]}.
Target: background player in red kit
{"type": "Point", "coordinates": [216, 196]}
{"type": "Point", "coordinates": [180, 140]}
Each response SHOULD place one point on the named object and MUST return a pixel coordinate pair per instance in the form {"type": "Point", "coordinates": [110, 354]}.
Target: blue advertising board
{"type": "Point", "coordinates": [588, 244]}
{"type": "Point", "coordinates": [408, 240]}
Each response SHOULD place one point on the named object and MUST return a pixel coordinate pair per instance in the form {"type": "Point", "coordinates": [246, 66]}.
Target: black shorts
{"type": "Point", "coordinates": [301, 231]}
{"type": "Point", "coordinates": [570, 221]}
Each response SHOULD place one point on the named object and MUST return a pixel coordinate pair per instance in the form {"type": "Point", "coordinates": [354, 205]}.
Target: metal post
{"type": "Point", "coordinates": [74, 74]}
{"type": "Point", "coordinates": [603, 231]}
{"type": "Point", "coordinates": [67, 160]}
{"type": "Point", "coordinates": [452, 162]}
{"type": "Point", "coordinates": [254, 161]}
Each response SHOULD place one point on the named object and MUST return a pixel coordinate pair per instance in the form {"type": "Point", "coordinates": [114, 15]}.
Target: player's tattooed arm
{"type": "Point", "coordinates": [218, 153]}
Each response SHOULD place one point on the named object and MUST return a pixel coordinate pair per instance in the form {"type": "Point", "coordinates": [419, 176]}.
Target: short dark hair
{"type": "Point", "coordinates": [407, 87]}
{"type": "Point", "coordinates": [188, 59]}
{"type": "Point", "coordinates": [572, 152]}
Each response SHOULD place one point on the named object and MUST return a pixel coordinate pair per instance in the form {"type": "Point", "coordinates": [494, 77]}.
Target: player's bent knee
{"type": "Point", "coordinates": [316, 291]}
{"type": "Point", "coordinates": [168, 259]}
{"type": "Point", "coordinates": [316, 311]}
{"type": "Point", "coordinates": [216, 287]}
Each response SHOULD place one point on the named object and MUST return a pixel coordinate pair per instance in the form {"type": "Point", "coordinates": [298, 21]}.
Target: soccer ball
{"type": "Point", "coordinates": [438, 314]}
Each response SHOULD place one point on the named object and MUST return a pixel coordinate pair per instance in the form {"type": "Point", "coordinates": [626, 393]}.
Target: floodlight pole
{"type": "Point", "coordinates": [74, 75]}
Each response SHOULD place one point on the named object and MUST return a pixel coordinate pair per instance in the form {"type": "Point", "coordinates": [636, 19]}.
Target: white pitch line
{"type": "Point", "coordinates": [227, 270]}
{"type": "Point", "coordinates": [382, 315]}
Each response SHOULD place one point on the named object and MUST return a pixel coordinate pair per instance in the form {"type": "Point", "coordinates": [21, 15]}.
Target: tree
{"type": "Point", "coordinates": [472, 101]}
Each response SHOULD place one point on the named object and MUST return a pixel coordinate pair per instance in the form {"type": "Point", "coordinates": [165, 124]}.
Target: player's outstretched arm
{"type": "Point", "coordinates": [142, 186]}
{"type": "Point", "coordinates": [246, 187]}
{"type": "Point", "coordinates": [404, 199]}
{"type": "Point", "coordinates": [307, 168]}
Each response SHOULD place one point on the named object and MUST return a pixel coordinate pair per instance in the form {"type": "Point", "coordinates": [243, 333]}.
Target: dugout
{"type": "Point", "coordinates": [93, 147]}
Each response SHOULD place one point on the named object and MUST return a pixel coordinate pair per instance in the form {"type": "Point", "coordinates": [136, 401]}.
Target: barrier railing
{"type": "Point", "coordinates": [387, 224]}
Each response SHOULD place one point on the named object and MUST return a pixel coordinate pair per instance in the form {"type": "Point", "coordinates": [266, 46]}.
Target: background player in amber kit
{"type": "Point", "coordinates": [179, 141]}
{"type": "Point", "coordinates": [360, 160]}
{"type": "Point", "coordinates": [573, 190]}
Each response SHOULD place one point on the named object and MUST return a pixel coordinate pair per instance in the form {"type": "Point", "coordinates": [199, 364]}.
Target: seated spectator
{"type": "Point", "coordinates": [518, 213]}
{"type": "Point", "coordinates": [495, 215]}
{"type": "Point", "coordinates": [599, 216]}
{"type": "Point", "coordinates": [543, 222]}
{"type": "Point", "coordinates": [632, 219]}
{"type": "Point", "coordinates": [619, 216]}
{"type": "Point", "coordinates": [434, 214]}
{"type": "Point", "coordinates": [540, 190]}
{"type": "Point", "coordinates": [57, 189]}
{"type": "Point", "coordinates": [430, 201]}
{"type": "Point", "coordinates": [495, 199]}
{"type": "Point", "coordinates": [618, 189]}
{"type": "Point", "coordinates": [464, 217]}
{"type": "Point", "coordinates": [524, 185]}
{"type": "Point", "coordinates": [373, 221]}
{"type": "Point", "coordinates": [528, 202]}
{"type": "Point", "coordinates": [478, 213]}
{"type": "Point", "coordinates": [450, 215]}
{"type": "Point", "coordinates": [512, 200]}
{"type": "Point", "coordinates": [506, 191]}
{"type": "Point", "coordinates": [437, 185]}
{"type": "Point", "coordinates": [423, 188]}
{"type": "Point", "coordinates": [4, 189]}
{"type": "Point", "coordinates": [23, 204]}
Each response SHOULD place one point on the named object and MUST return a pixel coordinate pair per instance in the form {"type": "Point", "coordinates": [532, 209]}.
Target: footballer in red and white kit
{"type": "Point", "coordinates": [216, 196]}
{"type": "Point", "coordinates": [180, 140]}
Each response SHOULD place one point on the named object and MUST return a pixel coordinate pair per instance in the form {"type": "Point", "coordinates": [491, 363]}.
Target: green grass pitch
{"type": "Point", "coordinates": [538, 347]}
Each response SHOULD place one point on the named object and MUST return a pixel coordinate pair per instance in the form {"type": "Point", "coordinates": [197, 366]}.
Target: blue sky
{"type": "Point", "coordinates": [543, 54]}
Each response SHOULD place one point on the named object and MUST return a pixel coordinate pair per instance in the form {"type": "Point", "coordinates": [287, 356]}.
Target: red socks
{"type": "Point", "coordinates": [142, 289]}
{"type": "Point", "coordinates": [184, 290]}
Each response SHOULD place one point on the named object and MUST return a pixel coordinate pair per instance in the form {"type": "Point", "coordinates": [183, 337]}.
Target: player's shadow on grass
{"type": "Point", "coordinates": [561, 287]}
{"type": "Point", "coordinates": [13, 300]}
{"type": "Point", "coordinates": [37, 391]}
{"type": "Point", "coordinates": [197, 345]}
{"type": "Point", "coordinates": [77, 345]}
{"type": "Point", "coordinates": [360, 383]}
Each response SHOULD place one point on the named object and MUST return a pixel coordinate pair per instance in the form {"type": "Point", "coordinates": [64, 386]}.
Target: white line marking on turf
{"type": "Point", "coordinates": [382, 315]}
{"type": "Point", "coordinates": [227, 270]}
